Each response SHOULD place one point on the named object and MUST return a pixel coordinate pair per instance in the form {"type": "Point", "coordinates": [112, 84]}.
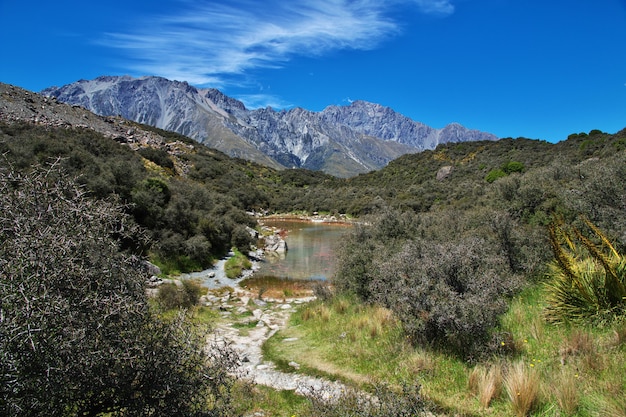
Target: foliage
{"type": "Point", "coordinates": [236, 264]}
{"type": "Point", "coordinates": [447, 291]}
{"type": "Point", "coordinates": [585, 286]}
{"type": "Point", "coordinates": [512, 166]}
{"type": "Point", "coordinates": [506, 169]}
{"type": "Point", "coordinates": [158, 156]}
{"type": "Point", "coordinates": [449, 295]}
{"type": "Point", "coordinates": [196, 214]}
{"type": "Point", "coordinates": [383, 402]}
{"type": "Point", "coordinates": [337, 339]}
{"type": "Point", "coordinates": [77, 334]}
{"type": "Point", "coordinates": [495, 174]}
{"type": "Point", "coordinates": [186, 295]}
{"type": "Point", "coordinates": [190, 223]}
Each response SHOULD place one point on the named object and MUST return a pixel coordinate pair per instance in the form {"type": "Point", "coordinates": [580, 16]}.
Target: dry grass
{"type": "Point", "coordinates": [486, 383]}
{"type": "Point", "coordinates": [579, 344]}
{"type": "Point", "coordinates": [320, 311]}
{"type": "Point", "coordinates": [619, 336]}
{"type": "Point", "coordinates": [522, 386]}
{"type": "Point", "coordinates": [612, 407]}
{"type": "Point", "coordinates": [375, 323]}
{"type": "Point", "coordinates": [420, 363]}
{"type": "Point", "coordinates": [537, 328]}
{"type": "Point", "coordinates": [341, 306]}
{"type": "Point", "coordinates": [566, 392]}
{"type": "Point", "coordinates": [278, 288]}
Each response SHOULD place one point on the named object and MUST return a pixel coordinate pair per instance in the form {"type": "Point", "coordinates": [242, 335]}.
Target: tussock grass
{"type": "Point", "coordinates": [578, 343]}
{"type": "Point", "coordinates": [486, 383]}
{"type": "Point", "coordinates": [565, 391]}
{"type": "Point", "coordinates": [522, 386]}
{"type": "Point", "coordinates": [364, 345]}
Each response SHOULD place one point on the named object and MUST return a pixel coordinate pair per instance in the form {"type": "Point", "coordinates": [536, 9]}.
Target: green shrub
{"type": "Point", "coordinates": [447, 291]}
{"type": "Point", "coordinates": [383, 402]}
{"type": "Point", "coordinates": [158, 156]}
{"type": "Point", "coordinates": [512, 166]}
{"type": "Point", "coordinates": [494, 174]}
{"type": "Point", "coordinates": [77, 334]}
{"type": "Point", "coordinates": [448, 295]}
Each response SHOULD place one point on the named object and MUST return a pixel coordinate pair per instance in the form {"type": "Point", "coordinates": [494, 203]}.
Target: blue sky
{"type": "Point", "coordinates": [534, 68]}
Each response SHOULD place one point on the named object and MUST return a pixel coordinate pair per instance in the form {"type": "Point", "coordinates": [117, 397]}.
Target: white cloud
{"type": "Point", "coordinates": [440, 7]}
{"type": "Point", "coordinates": [255, 101]}
{"type": "Point", "coordinates": [207, 43]}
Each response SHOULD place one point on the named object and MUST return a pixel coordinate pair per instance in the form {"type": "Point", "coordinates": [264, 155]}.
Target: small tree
{"type": "Point", "coordinates": [77, 336]}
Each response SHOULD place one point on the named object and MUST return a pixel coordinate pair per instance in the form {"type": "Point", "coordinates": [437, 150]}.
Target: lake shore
{"type": "Point", "coordinates": [340, 219]}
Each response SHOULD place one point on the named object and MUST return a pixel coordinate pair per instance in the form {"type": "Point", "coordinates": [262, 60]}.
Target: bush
{"type": "Point", "coordinates": [512, 166]}
{"type": "Point", "coordinates": [78, 336]}
{"type": "Point", "coordinates": [448, 295]}
{"type": "Point", "coordinates": [383, 402]}
{"type": "Point", "coordinates": [495, 174]}
{"type": "Point", "coordinates": [185, 295]}
{"type": "Point", "coordinates": [158, 156]}
{"type": "Point", "coordinates": [444, 283]}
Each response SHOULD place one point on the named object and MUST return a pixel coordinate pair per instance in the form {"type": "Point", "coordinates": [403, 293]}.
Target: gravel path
{"type": "Point", "coordinates": [271, 315]}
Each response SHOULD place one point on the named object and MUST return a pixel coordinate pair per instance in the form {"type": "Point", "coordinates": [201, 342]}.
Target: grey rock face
{"type": "Point", "coordinates": [340, 140]}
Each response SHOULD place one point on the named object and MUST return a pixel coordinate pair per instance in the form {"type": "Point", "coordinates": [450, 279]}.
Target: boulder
{"type": "Point", "coordinates": [275, 243]}
{"type": "Point", "coordinates": [444, 172]}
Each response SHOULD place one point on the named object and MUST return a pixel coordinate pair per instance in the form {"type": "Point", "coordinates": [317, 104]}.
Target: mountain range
{"type": "Point", "coordinates": [340, 140]}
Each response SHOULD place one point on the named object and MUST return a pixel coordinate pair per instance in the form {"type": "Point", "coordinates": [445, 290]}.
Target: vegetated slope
{"type": "Point", "coordinates": [471, 216]}
{"type": "Point", "coordinates": [455, 235]}
{"type": "Point", "coordinates": [462, 175]}
{"type": "Point", "coordinates": [342, 141]}
{"type": "Point", "coordinates": [193, 197]}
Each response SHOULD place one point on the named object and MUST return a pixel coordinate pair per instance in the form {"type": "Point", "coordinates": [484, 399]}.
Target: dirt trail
{"type": "Point", "coordinates": [270, 316]}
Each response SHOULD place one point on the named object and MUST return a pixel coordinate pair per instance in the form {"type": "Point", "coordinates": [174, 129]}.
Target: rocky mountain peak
{"type": "Point", "coordinates": [340, 140]}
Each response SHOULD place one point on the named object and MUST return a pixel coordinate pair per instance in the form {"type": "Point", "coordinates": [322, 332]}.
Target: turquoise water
{"type": "Point", "coordinates": [311, 250]}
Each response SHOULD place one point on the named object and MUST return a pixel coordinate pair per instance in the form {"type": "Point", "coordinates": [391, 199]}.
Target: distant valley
{"type": "Point", "coordinates": [340, 140]}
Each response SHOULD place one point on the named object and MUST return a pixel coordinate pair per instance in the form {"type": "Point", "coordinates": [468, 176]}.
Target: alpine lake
{"type": "Point", "coordinates": [311, 247]}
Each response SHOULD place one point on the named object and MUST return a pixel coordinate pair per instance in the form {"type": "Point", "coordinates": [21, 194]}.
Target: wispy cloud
{"type": "Point", "coordinates": [210, 43]}
{"type": "Point", "coordinates": [440, 7]}
{"type": "Point", "coordinates": [254, 101]}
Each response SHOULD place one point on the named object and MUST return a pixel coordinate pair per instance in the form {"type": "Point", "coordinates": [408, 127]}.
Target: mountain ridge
{"type": "Point", "coordinates": [340, 140]}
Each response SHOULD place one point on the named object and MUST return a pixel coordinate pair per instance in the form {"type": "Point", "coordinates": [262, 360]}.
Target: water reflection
{"type": "Point", "coordinates": [311, 250]}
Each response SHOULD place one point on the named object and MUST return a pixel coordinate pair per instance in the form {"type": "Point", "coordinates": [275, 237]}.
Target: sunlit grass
{"type": "Point", "coordinates": [363, 345]}
{"type": "Point", "coordinates": [235, 265]}
{"type": "Point", "coordinates": [486, 383]}
{"type": "Point", "coordinates": [558, 370]}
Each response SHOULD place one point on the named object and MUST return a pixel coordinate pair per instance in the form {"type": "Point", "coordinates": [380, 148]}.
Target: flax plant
{"type": "Point", "coordinates": [585, 284]}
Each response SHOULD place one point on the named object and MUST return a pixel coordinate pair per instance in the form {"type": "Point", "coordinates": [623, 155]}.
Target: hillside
{"type": "Point", "coordinates": [340, 140]}
{"type": "Point", "coordinates": [447, 277]}
{"type": "Point", "coordinates": [453, 175]}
